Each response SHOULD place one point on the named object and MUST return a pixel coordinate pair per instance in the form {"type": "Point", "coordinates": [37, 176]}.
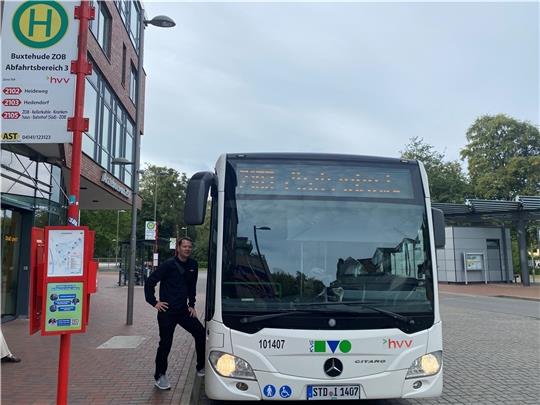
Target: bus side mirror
{"type": "Point", "coordinates": [438, 228]}
{"type": "Point", "coordinates": [196, 197]}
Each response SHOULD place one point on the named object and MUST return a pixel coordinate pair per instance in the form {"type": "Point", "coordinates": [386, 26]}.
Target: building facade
{"type": "Point", "coordinates": [476, 254]}
{"type": "Point", "coordinates": [35, 177]}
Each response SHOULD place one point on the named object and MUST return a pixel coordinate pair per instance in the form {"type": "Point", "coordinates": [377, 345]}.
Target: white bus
{"type": "Point", "coordinates": [322, 281]}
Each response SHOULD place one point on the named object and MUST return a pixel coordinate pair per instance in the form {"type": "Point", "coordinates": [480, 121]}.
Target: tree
{"type": "Point", "coordinates": [202, 233]}
{"type": "Point", "coordinates": [104, 222]}
{"type": "Point", "coordinates": [447, 182]}
{"type": "Point", "coordinates": [162, 189]}
{"type": "Point", "coordinates": [503, 156]}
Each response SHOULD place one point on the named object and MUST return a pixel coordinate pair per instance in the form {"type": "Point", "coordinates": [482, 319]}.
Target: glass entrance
{"type": "Point", "coordinates": [11, 246]}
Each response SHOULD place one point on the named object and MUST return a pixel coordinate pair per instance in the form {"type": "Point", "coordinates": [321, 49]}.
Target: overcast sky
{"type": "Point", "coordinates": [357, 78]}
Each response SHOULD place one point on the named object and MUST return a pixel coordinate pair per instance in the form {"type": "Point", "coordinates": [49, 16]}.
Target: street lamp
{"type": "Point", "coordinates": [184, 228]}
{"type": "Point", "coordinates": [260, 228]}
{"type": "Point", "coordinates": [158, 21]}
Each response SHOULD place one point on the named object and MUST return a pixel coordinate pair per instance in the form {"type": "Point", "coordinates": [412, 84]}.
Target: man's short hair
{"type": "Point", "coordinates": [184, 238]}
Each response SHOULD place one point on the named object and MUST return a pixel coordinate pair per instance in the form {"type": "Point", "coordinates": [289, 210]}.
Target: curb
{"type": "Point", "coordinates": [517, 298]}
{"type": "Point", "coordinates": [490, 296]}
{"type": "Point", "coordinates": [188, 384]}
{"type": "Point", "coordinates": [196, 389]}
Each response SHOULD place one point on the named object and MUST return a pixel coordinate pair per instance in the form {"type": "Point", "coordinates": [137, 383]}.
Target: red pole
{"type": "Point", "coordinates": [77, 124]}
{"type": "Point", "coordinates": [63, 369]}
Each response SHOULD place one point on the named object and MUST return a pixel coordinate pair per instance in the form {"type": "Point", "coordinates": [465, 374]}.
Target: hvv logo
{"type": "Point", "coordinates": [397, 344]}
{"type": "Point", "coordinates": [58, 80]}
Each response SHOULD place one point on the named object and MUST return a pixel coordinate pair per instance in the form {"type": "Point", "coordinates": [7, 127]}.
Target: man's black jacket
{"type": "Point", "coordinates": [177, 287]}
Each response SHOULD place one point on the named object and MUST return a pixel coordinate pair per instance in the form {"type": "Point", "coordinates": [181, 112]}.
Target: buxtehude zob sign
{"type": "Point", "coordinates": [39, 41]}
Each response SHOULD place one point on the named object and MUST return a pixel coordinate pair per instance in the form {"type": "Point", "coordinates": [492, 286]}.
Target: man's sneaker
{"type": "Point", "coordinates": [163, 383]}
{"type": "Point", "coordinates": [200, 373]}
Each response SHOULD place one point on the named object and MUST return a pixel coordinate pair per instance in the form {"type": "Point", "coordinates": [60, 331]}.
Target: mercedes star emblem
{"type": "Point", "coordinates": [333, 367]}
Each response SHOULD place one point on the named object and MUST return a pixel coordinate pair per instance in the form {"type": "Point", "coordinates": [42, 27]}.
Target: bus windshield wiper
{"type": "Point", "coordinates": [363, 304]}
{"type": "Point", "coordinates": [257, 318]}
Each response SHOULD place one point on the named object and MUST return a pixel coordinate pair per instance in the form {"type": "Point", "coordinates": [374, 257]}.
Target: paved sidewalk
{"type": "Point", "coordinates": [494, 290]}
{"type": "Point", "coordinates": [100, 376]}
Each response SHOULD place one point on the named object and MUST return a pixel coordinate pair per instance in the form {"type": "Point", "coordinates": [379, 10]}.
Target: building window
{"type": "Point", "coordinates": [124, 61]}
{"type": "Point", "coordinates": [106, 130]}
{"type": "Point", "coordinates": [126, 177]}
{"type": "Point", "coordinates": [134, 23]}
{"type": "Point", "coordinates": [101, 26]}
{"type": "Point", "coordinates": [130, 13]}
{"type": "Point", "coordinates": [110, 132]}
{"type": "Point", "coordinates": [90, 111]}
{"type": "Point", "coordinates": [133, 84]}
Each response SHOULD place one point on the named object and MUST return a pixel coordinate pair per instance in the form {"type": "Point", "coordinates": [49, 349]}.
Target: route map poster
{"type": "Point", "coordinates": [66, 253]}
{"type": "Point", "coordinates": [63, 311]}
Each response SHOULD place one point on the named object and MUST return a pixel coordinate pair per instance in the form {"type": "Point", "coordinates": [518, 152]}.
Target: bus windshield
{"type": "Point", "coordinates": [291, 240]}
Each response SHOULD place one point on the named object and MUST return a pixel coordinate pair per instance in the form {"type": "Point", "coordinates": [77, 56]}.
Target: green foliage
{"type": "Point", "coordinates": [160, 187]}
{"type": "Point", "coordinates": [447, 182]}
{"type": "Point", "coordinates": [503, 157]}
{"type": "Point", "coordinates": [200, 236]}
{"type": "Point", "coordinates": [164, 190]}
{"type": "Point", "coordinates": [104, 223]}
{"type": "Point", "coordinates": [301, 285]}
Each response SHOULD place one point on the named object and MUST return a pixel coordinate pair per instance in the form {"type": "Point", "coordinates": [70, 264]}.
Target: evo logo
{"type": "Point", "coordinates": [320, 346]}
{"type": "Point", "coordinates": [397, 344]}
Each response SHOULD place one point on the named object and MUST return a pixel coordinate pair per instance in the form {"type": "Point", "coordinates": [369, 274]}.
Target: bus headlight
{"type": "Point", "coordinates": [228, 365]}
{"type": "Point", "coordinates": [428, 364]}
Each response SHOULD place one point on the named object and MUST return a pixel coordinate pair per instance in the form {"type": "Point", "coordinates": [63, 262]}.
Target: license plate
{"type": "Point", "coordinates": [322, 392]}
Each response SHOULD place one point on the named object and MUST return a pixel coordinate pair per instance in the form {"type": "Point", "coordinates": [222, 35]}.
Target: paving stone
{"type": "Point", "coordinates": [120, 376]}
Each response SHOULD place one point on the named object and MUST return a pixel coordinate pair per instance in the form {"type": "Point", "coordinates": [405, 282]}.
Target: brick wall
{"type": "Point", "coordinates": [92, 171]}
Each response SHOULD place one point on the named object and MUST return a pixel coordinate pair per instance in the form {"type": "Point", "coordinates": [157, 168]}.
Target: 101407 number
{"type": "Point", "coordinates": [271, 343]}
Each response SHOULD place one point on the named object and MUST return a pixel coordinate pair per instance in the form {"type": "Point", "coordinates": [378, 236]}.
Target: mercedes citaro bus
{"type": "Point", "coordinates": [322, 281]}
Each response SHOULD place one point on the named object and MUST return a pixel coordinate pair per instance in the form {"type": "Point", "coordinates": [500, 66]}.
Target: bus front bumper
{"type": "Point", "coordinates": [389, 384]}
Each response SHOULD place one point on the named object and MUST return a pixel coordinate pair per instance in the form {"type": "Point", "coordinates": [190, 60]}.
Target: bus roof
{"type": "Point", "coordinates": [320, 156]}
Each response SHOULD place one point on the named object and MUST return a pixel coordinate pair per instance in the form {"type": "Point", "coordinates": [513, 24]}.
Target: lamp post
{"type": "Point", "coordinates": [155, 209]}
{"type": "Point", "coordinates": [184, 228]}
{"type": "Point", "coordinates": [164, 22]}
{"type": "Point", "coordinates": [260, 228]}
{"type": "Point", "coordinates": [116, 248]}
{"type": "Point", "coordinates": [117, 229]}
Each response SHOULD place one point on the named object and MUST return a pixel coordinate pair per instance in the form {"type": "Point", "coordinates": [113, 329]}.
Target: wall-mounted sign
{"type": "Point", "coordinates": [474, 261]}
{"type": "Point", "coordinates": [39, 41]}
{"type": "Point", "coordinates": [150, 229]}
{"type": "Point", "coordinates": [172, 243]}
{"type": "Point", "coordinates": [113, 183]}
{"type": "Point", "coordinates": [64, 307]}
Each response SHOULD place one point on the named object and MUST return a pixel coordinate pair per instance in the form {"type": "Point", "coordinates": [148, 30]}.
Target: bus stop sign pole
{"type": "Point", "coordinates": [77, 124]}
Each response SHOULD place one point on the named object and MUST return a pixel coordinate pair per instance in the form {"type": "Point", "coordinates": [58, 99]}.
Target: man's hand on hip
{"type": "Point", "coordinates": [192, 312]}
{"type": "Point", "coordinates": [161, 306]}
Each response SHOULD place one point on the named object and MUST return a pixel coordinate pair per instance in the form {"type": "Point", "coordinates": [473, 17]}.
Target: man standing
{"type": "Point", "coordinates": [176, 305]}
